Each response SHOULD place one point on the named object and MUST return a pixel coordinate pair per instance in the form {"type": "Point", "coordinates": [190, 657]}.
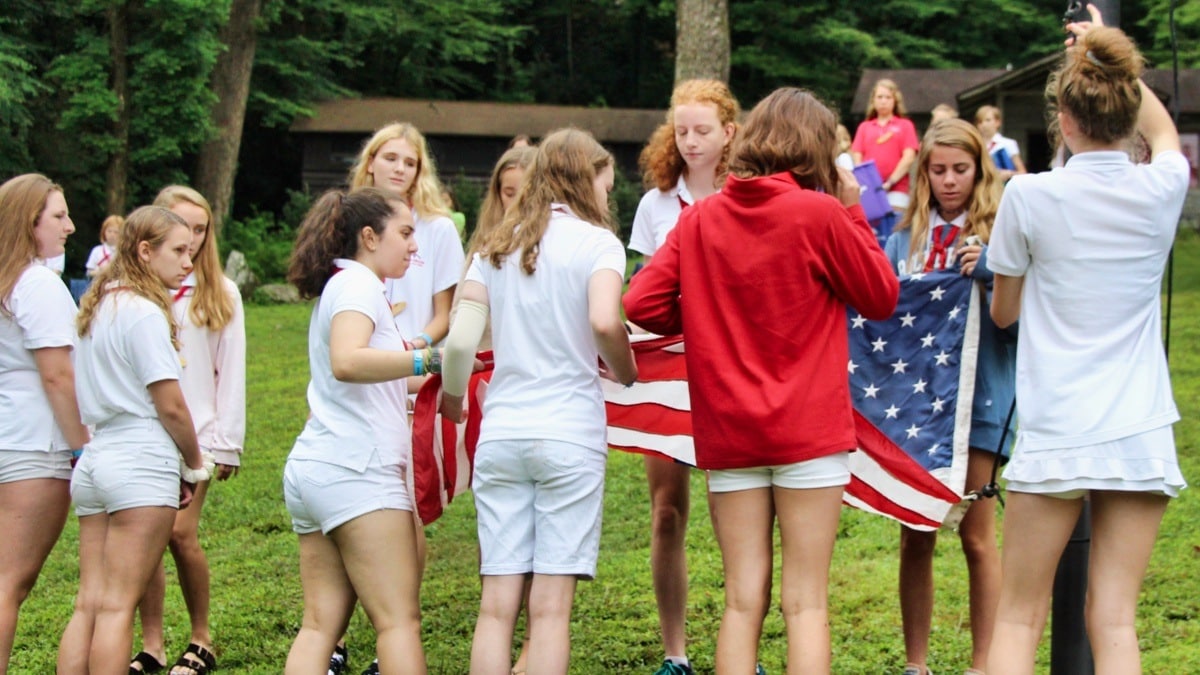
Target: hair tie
{"type": "Point", "coordinates": [1091, 56]}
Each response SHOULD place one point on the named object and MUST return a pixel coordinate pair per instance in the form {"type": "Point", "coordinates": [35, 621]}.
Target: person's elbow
{"type": "Point", "coordinates": [342, 367]}
{"type": "Point", "coordinates": [881, 302]}
{"type": "Point", "coordinates": [607, 324]}
{"type": "Point", "coordinates": [1002, 316]}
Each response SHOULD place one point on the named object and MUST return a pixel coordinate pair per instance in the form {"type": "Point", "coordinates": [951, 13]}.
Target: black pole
{"type": "Point", "coordinates": [1070, 651]}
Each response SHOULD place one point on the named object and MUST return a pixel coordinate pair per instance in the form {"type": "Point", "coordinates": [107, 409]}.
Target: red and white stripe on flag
{"type": "Point", "coordinates": [654, 416]}
{"type": "Point", "coordinates": [443, 453]}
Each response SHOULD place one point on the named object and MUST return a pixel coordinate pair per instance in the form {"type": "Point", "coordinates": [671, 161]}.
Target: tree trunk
{"type": "Point", "coordinates": [217, 163]}
{"type": "Point", "coordinates": [702, 40]}
{"type": "Point", "coordinates": [116, 189]}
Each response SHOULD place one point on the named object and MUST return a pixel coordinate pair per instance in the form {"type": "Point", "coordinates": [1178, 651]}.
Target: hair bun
{"type": "Point", "coordinates": [1107, 52]}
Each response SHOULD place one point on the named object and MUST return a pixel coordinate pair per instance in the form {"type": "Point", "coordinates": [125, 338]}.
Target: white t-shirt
{"type": "Point", "coordinates": [56, 264]}
{"type": "Point", "coordinates": [214, 374]}
{"type": "Point", "coordinates": [546, 384]}
{"type": "Point", "coordinates": [351, 422]}
{"type": "Point", "coordinates": [435, 267]}
{"type": "Point", "coordinates": [100, 255]}
{"type": "Point", "coordinates": [128, 349]}
{"type": "Point", "coordinates": [1091, 240]}
{"type": "Point", "coordinates": [43, 316]}
{"type": "Point", "coordinates": [656, 216]}
{"type": "Point", "coordinates": [1008, 144]}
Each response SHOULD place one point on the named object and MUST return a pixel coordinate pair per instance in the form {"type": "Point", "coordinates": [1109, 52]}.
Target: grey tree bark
{"type": "Point", "coordinates": [217, 163]}
{"type": "Point", "coordinates": [116, 187]}
{"type": "Point", "coordinates": [702, 40]}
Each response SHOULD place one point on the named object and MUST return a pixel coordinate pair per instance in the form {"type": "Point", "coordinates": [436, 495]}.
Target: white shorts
{"type": "Point", "coordinates": [538, 505]}
{"type": "Point", "coordinates": [18, 465]}
{"type": "Point", "coordinates": [822, 472]}
{"type": "Point", "coordinates": [321, 496]}
{"type": "Point", "coordinates": [128, 476]}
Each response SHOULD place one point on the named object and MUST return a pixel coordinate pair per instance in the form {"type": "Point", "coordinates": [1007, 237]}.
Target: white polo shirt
{"type": "Point", "coordinates": [546, 385]}
{"type": "Point", "coordinates": [214, 374]}
{"type": "Point", "coordinates": [656, 216]}
{"type": "Point", "coordinates": [128, 349]}
{"type": "Point", "coordinates": [43, 316]}
{"type": "Point", "coordinates": [350, 422]}
{"type": "Point", "coordinates": [435, 267]}
{"type": "Point", "coordinates": [1091, 240]}
{"type": "Point", "coordinates": [101, 254]}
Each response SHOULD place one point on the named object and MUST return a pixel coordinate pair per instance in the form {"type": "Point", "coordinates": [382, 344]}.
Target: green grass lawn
{"type": "Point", "coordinates": [256, 588]}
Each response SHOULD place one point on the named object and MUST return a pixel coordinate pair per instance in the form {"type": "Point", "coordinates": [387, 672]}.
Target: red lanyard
{"type": "Point", "coordinates": [682, 204]}
{"type": "Point", "coordinates": [105, 258]}
{"type": "Point", "coordinates": [938, 257]}
{"type": "Point", "coordinates": [179, 293]}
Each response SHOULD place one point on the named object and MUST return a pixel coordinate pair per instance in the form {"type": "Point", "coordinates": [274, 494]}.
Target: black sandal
{"type": "Point", "coordinates": [202, 663]}
{"type": "Point", "coordinates": [148, 664]}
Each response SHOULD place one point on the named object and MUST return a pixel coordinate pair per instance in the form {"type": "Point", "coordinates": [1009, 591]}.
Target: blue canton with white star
{"type": "Point", "coordinates": [904, 371]}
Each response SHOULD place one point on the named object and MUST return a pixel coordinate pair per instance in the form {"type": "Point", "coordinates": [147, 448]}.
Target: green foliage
{"type": "Point", "coordinates": [18, 87]}
{"type": "Point", "coordinates": [469, 195]}
{"type": "Point", "coordinates": [265, 239]}
{"type": "Point", "coordinates": [1187, 33]}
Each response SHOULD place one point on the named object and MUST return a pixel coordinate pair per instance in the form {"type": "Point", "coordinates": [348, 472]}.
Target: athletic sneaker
{"type": "Point", "coordinates": [759, 670]}
{"type": "Point", "coordinates": [372, 669]}
{"type": "Point", "coordinates": [910, 669]}
{"type": "Point", "coordinates": [337, 662]}
{"type": "Point", "coordinates": [671, 668]}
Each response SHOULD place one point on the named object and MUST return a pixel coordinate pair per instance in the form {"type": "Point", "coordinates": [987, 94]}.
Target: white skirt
{"type": "Point", "coordinates": [1145, 462]}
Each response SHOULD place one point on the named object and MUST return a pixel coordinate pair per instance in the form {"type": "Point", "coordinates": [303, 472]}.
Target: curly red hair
{"type": "Point", "coordinates": [660, 161]}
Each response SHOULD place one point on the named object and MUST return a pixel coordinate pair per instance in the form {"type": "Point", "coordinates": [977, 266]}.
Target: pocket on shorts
{"type": "Point", "coordinates": [321, 474]}
{"type": "Point", "coordinates": [562, 457]}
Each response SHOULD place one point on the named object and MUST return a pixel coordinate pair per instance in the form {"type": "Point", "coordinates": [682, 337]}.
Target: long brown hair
{"type": "Point", "coordinates": [660, 161]}
{"type": "Point", "coordinates": [563, 170]}
{"type": "Point", "coordinates": [985, 192]}
{"type": "Point", "coordinates": [491, 213]}
{"type": "Point", "coordinates": [211, 306]}
{"type": "Point", "coordinates": [331, 230]}
{"type": "Point", "coordinates": [150, 224]}
{"type": "Point", "coordinates": [425, 193]}
{"type": "Point", "coordinates": [1097, 84]}
{"type": "Point", "coordinates": [22, 200]}
{"type": "Point", "coordinates": [789, 130]}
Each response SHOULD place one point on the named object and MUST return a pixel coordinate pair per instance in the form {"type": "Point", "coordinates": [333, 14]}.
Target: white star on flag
{"type": "Point", "coordinates": [937, 293]}
{"type": "Point", "coordinates": [942, 359]}
{"type": "Point", "coordinates": [892, 411]}
{"type": "Point", "coordinates": [878, 345]}
{"type": "Point", "coordinates": [927, 341]}
{"type": "Point", "coordinates": [913, 431]}
{"type": "Point", "coordinates": [871, 390]}
{"type": "Point", "coordinates": [852, 366]}
{"type": "Point", "coordinates": [899, 366]}
{"type": "Point", "coordinates": [938, 405]}
{"type": "Point", "coordinates": [858, 321]}
{"type": "Point", "coordinates": [907, 320]}
{"type": "Point", "coordinates": [954, 312]}
{"type": "Point", "coordinates": [919, 386]}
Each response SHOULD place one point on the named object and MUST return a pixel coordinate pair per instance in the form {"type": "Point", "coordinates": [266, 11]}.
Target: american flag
{"type": "Point", "coordinates": [654, 416]}
{"type": "Point", "coordinates": [912, 379]}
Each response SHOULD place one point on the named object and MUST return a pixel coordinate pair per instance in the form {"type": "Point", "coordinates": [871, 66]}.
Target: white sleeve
{"type": "Point", "coordinates": [349, 296]}
{"type": "Point", "coordinates": [641, 239]}
{"type": "Point", "coordinates": [475, 271]}
{"type": "Point", "coordinates": [447, 255]}
{"type": "Point", "coordinates": [44, 310]}
{"type": "Point", "coordinates": [609, 254]}
{"type": "Point", "coordinates": [93, 261]}
{"type": "Point", "coordinates": [229, 435]}
{"type": "Point", "coordinates": [147, 345]}
{"type": "Point", "coordinates": [1008, 247]}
